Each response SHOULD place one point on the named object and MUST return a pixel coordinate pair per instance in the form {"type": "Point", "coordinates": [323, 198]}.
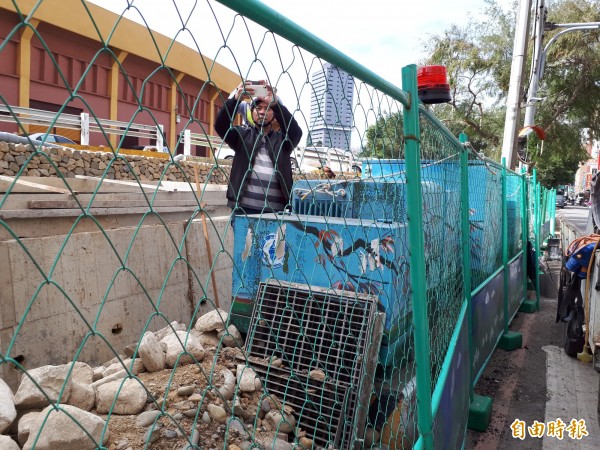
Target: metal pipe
{"type": "Point", "coordinates": [591, 26]}
{"type": "Point", "coordinates": [536, 231]}
{"type": "Point", "coordinates": [536, 75]}
{"type": "Point", "coordinates": [575, 24]}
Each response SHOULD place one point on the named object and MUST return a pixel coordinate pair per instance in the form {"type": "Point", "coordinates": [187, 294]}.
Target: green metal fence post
{"type": "Point", "coordinates": [552, 207]}
{"type": "Point", "coordinates": [528, 305]}
{"type": "Point", "coordinates": [510, 340]}
{"type": "Point", "coordinates": [537, 232]}
{"type": "Point", "coordinates": [418, 280]}
{"type": "Point", "coordinates": [466, 242]}
{"type": "Point", "coordinates": [525, 230]}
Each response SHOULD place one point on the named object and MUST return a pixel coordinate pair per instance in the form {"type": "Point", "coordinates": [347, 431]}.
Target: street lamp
{"type": "Point", "coordinates": [537, 70]}
{"type": "Point", "coordinates": [540, 63]}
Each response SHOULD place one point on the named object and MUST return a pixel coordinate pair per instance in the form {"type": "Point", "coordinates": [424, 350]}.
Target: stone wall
{"type": "Point", "coordinates": [71, 162]}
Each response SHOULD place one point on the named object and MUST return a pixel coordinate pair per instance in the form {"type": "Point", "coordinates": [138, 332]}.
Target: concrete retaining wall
{"type": "Point", "coordinates": [74, 286]}
{"type": "Point", "coordinates": [97, 297]}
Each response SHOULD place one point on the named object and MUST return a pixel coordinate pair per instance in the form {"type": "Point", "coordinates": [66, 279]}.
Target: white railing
{"type": "Point", "coordinates": [336, 159]}
{"type": "Point", "coordinates": [306, 159]}
{"type": "Point", "coordinates": [81, 122]}
{"type": "Point", "coordinates": [189, 139]}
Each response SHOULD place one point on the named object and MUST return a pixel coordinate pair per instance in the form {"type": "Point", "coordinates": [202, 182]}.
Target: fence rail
{"type": "Point", "coordinates": [81, 122]}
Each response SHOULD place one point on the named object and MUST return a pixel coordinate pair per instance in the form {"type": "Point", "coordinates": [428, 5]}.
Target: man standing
{"type": "Point", "coordinates": [261, 172]}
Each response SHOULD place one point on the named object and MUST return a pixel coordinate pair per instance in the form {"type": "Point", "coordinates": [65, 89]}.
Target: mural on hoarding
{"type": "Point", "coordinates": [453, 413]}
{"type": "Point", "coordinates": [376, 254]}
{"type": "Point", "coordinates": [363, 256]}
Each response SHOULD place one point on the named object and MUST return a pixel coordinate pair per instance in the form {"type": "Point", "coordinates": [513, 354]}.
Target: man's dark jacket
{"type": "Point", "coordinates": [243, 140]}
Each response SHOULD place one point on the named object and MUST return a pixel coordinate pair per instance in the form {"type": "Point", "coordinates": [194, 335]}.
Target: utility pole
{"type": "Point", "coordinates": [513, 101]}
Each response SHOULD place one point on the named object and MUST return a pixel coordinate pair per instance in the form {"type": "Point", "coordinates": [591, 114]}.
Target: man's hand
{"type": "Point", "coordinates": [245, 90]}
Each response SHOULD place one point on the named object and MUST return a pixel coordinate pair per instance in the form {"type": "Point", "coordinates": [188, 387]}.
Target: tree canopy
{"type": "Point", "coordinates": [478, 60]}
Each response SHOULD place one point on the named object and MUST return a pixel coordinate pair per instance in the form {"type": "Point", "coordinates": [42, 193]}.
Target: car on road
{"type": "Point", "coordinates": [560, 199]}
{"type": "Point", "coordinates": [49, 138]}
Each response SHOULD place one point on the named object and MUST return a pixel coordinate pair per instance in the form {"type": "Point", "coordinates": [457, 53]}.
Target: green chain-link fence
{"type": "Point", "coordinates": [139, 312]}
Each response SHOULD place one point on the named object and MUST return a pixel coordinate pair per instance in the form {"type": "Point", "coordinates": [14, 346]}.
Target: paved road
{"type": "Point", "coordinates": [539, 382]}
{"type": "Point", "coordinates": [577, 216]}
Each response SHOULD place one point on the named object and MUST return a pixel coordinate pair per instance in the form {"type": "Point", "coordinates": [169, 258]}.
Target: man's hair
{"type": "Point", "coordinates": [255, 102]}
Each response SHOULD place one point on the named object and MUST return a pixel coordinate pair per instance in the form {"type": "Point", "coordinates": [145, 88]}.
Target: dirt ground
{"type": "Point", "coordinates": [516, 380]}
{"type": "Point", "coordinates": [173, 432]}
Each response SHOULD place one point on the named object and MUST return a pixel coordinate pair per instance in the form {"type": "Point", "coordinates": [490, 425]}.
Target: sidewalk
{"type": "Point", "coordinates": [572, 390]}
{"type": "Point", "coordinates": [538, 382]}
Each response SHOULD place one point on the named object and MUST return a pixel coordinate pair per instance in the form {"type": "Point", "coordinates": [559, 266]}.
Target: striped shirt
{"type": "Point", "coordinates": [263, 190]}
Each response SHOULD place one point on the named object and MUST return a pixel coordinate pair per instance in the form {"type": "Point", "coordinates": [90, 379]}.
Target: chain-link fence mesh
{"type": "Point", "coordinates": [441, 170]}
{"type": "Point", "coordinates": [514, 203]}
{"type": "Point", "coordinates": [156, 295]}
{"type": "Point", "coordinates": [485, 217]}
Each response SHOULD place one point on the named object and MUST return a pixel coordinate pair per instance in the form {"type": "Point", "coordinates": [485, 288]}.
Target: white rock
{"type": "Point", "coordinates": [116, 359]}
{"type": "Point", "coordinates": [245, 378]}
{"type": "Point", "coordinates": [51, 379]}
{"type": "Point", "coordinates": [113, 368]}
{"type": "Point", "coordinates": [115, 376]}
{"type": "Point", "coordinates": [60, 431]}
{"type": "Point", "coordinates": [8, 413]}
{"type": "Point", "coordinates": [135, 369]}
{"type": "Point", "coordinates": [227, 389]}
{"type": "Point", "coordinates": [213, 320]}
{"type": "Point", "coordinates": [147, 418]}
{"type": "Point", "coordinates": [274, 443]}
{"type": "Point", "coordinates": [281, 423]}
{"type": "Point", "coordinates": [151, 353]}
{"type": "Point", "coordinates": [98, 371]}
{"type": "Point", "coordinates": [231, 337]}
{"type": "Point", "coordinates": [217, 413]}
{"type": "Point", "coordinates": [174, 346]}
{"type": "Point", "coordinates": [82, 373]}
{"type": "Point", "coordinates": [25, 424]}
{"type": "Point", "coordinates": [317, 374]}
{"type": "Point", "coordinates": [6, 443]}
{"type": "Point", "coordinates": [206, 338]}
{"type": "Point", "coordinates": [173, 326]}
{"type": "Point", "coordinates": [83, 396]}
{"type": "Point", "coordinates": [131, 397]}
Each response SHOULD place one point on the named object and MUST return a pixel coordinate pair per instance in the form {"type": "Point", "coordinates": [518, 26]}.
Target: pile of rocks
{"type": "Point", "coordinates": [173, 389]}
{"type": "Point", "coordinates": [71, 162]}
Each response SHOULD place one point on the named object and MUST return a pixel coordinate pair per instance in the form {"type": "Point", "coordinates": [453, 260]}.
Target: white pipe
{"type": "Point", "coordinates": [516, 82]}
{"type": "Point", "coordinates": [536, 75]}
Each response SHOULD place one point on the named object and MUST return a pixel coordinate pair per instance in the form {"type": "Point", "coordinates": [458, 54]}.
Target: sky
{"type": "Point", "coordinates": [382, 35]}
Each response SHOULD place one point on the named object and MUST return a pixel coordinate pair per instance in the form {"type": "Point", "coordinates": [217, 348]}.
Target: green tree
{"type": "Point", "coordinates": [384, 138]}
{"type": "Point", "coordinates": [478, 60]}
